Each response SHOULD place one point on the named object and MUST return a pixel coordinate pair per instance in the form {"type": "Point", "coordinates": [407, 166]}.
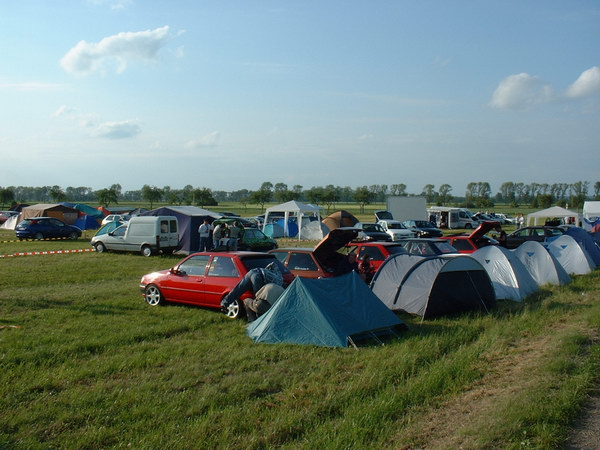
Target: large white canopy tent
{"type": "Point", "coordinates": [293, 209]}
{"type": "Point", "coordinates": [591, 209]}
{"type": "Point", "coordinates": [550, 213]}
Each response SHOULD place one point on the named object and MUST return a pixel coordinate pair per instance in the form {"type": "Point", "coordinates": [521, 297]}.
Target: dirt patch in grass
{"type": "Point", "coordinates": [458, 422]}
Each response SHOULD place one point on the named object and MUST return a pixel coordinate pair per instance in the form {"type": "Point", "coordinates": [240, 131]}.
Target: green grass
{"type": "Point", "coordinates": [91, 365]}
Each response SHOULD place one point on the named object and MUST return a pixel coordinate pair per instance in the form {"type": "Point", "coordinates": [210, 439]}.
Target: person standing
{"type": "Point", "coordinates": [234, 234]}
{"type": "Point", "coordinates": [204, 231]}
{"type": "Point", "coordinates": [217, 234]}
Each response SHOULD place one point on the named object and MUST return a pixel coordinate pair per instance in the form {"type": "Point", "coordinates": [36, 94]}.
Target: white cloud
{"type": "Point", "coordinates": [119, 49]}
{"type": "Point", "coordinates": [117, 130]}
{"type": "Point", "coordinates": [64, 110]}
{"type": "Point", "coordinates": [208, 141]}
{"type": "Point", "coordinates": [112, 4]}
{"type": "Point", "coordinates": [588, 84]}
{"type": "Point", "coordinates": [521, 91]}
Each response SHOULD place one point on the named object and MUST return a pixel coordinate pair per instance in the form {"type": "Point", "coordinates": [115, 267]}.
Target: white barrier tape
{"type": "Point", "coordinates": [49, 252]}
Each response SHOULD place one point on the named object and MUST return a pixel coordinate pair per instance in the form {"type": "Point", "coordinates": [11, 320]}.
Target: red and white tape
{"type": "Point", "coordinates": [49, 252]}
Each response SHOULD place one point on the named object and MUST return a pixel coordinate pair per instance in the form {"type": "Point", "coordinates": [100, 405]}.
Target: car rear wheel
{"type": "Point", "coordinates": [235, 310]}
{"type": "Point", "coordinates": [38, 236]}
{"type": "Point", "coordinates": [146, 250]}
{"type": "Point", "coordinates": [100, 247]}
{"type": "Point", "coordinates": [153, 295]}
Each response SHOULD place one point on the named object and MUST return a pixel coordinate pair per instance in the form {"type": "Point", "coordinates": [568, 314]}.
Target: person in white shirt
{"type": "Point", "coordinates": [204, 230]}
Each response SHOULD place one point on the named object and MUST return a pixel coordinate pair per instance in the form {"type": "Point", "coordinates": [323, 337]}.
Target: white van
{"type": "Point", "coordinates": [446, 217]}
{"type": "Point", "coordinates": [144, 234]}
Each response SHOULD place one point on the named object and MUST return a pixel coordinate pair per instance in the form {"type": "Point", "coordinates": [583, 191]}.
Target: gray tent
{"type": "Point", "coordinates": [433, 286]}
{"type": "Point", "coordinates": [574, 258]}
{"type": "Point", "coordinates": [542, 266]}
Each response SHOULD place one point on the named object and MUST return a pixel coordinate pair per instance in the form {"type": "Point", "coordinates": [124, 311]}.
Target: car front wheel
{"type": "Point", "coordinates": [153, 295]}
{"type": "Point", "coordinates": [235, 310]}
{"type": "Point", "coordinates": [100, 247]}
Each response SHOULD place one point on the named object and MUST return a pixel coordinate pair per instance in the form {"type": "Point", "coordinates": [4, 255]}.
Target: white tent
{"type": "Point", "coordinates": [10, 223]}
{"type": "Point", "coordinates": [550, 213]}
{"type": "Point", "coordinates": [542, 266]}
{"type": "Point", "coordinates": [293, 209]}
{"type": "Point", "coordinates": [591, 209]}
{"type": "Point", "coordinates": [510, 277]}
{"type": "Point", "coordinates": [574, 258]}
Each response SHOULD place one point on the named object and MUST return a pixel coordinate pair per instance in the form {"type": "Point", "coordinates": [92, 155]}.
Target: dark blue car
{"type": "Point", "coordinates": [46, 228]}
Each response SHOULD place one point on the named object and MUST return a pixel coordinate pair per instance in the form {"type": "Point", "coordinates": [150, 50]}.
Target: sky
{"type": "Point", "coordinates": [229, 94]}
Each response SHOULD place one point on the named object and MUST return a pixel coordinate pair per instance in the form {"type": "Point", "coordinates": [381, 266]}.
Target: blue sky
{"type": "Point", "coordinates": [228, 94]}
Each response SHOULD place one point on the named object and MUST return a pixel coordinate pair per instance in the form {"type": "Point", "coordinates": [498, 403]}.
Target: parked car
{"type": "Point", "coordinates": [377, 251]}
{"type": "Point", "coordinates": [5, 215]}
{"type": "Point", "coordinates": [46, 228]}
{"type": "Point", "coordinates": [205, 278]}
{"type": "Point", "coordinates": [116, 217]}
{"type": "Point", "coordinates": [538, 233]}
{"type": "Point", "coordinates": [396, 229]}
{"type": "Point", "coordinates": [372, 231]}
{"type": "Point", "coordinates": [255, 240]}
{"type": "Point", "coordinates": [423, 228]}
{"type": "Point", "coordinates": [428, 246]}
{"type": "Point", "coordinates": [324, 260]}
{"type": "Point", "coordinates": [477, 239]}
{"type": "Point", "coordinates": [145, 234]}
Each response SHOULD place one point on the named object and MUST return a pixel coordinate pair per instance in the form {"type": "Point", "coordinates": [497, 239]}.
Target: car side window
{"type": "Point", "coordinates": [301, 261]}
{"type": "Point", "coordinates": [373, 252]}
{"type": "Point", "coordinates": [56, 223]}
{"type": "Point", "coordinates": [522, 233]}
{"type": "Point", "coordinates": [223, 266]}
{"type": "Point", "coordinates": [280, 256]}
{"type": "Point", "coordinates": [196, 265]}
{"type": "Point", "coordinates": [462, 244]}
{"type": "Point", "coordinates": [538, 232]}
{"type": "Point", "coordinates": [120, 231]}
{"type": "Point", "coordinates": [555, 232]}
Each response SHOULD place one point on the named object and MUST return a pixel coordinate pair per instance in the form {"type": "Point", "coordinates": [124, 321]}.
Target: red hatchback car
{"type": "Point", "coordinates": [474, 241]}
{"type": "Point", "coordinates": [377, 251]}
{"type": "Point", "coordinates": [204, 278]}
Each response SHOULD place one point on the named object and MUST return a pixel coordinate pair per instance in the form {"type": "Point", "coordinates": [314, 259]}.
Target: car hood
{"type": "Point", "coordinates": [483, 229]}
{"type": "Point", "coordinates": [327, 249]}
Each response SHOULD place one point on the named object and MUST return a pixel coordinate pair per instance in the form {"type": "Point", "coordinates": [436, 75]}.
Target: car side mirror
{"type": "Point", "coordinates": [176, 271]}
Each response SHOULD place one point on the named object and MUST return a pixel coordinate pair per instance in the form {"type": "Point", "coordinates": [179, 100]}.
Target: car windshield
{"type": "Point", "coordinates": [423, 224]}
{"type": "Point", "coordinates": [253, 233]}
{"type": "Point", "coordinates": [372, 227]}
{"type": "Point", "coordinates": [444, 247]}
{"type": "Point", "coordinates": [262, 262]}
{"type": "Point", "coordinates": [396, 226]}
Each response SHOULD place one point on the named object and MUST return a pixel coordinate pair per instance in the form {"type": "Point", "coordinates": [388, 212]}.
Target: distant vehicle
{"type": "Point", "coordinates": [428, 246]}
{"type": "Point", "coordinates": [373, 231]}
{"type": "Point", "coordinates": [116, 217]}
{"type": "Point", "coordinates": [252, 239]}
{"type": "Point", "coordinates": [448, 217]}
{"type": "Point", "coordinates": [423, 228]}
{"type": "Point", "coordinates": [377, 251]}
{"type": "Point", "coordinates": [396, 229]}
{"type": "Point", "coordinates": [145, 234]}
{"type": "Point", "coordinates": [538, 233]}
{"type": "Point", "coordinates": [46, 228]}
{"type": "Point", "coordinates": [474, 241]}
{"type": "Point", "coordinates": [322, 262]}
{"type": "Point", "coordinates": [228, 214]}
{"type": "Point", "coordinates": [5, 215]}
{"type": "Point", "coordinates": [205, 278]}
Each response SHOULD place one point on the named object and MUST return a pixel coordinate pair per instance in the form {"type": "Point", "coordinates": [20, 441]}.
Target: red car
{"type": "Point", "coordinates": [474, 241]}
{"type": "Point", "coordinates": [204, 278]}
{"type": "Point", "coordinates": [378, 251]}
{"type": "Point", "coordinates": [322, 262]}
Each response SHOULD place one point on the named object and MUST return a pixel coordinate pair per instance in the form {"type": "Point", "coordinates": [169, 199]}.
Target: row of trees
{"type": "Point", "coordinates": [478, 194]}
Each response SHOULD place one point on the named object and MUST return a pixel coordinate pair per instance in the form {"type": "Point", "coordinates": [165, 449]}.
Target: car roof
{"type": "Point", "coordinates": [292, 249]}
{"type": "Point", "coordinates": [238, 253]}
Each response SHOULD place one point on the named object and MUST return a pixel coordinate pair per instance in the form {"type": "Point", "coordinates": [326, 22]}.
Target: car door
{"type": "Point", "coordinates": [222, 276]}
{"type": "Point", "coordinates": [115, 240]}
{"type": "Point", "coordinates": [517, 238]}
{"type": "Point", "coordinates": [56, 228]}
{"type": "Point", "coordinates": [187, 282]}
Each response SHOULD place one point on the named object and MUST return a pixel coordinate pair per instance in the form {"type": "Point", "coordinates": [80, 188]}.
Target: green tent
{"type": "Point", "coordinates": [330, 312]}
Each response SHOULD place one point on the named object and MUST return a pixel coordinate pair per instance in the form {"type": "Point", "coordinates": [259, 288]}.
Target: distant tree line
{"type": "Point", "coordinates": [477, 195]}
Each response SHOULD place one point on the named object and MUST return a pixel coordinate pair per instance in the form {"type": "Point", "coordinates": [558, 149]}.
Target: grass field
{"type": "Point", "coordinates": [84, 362]}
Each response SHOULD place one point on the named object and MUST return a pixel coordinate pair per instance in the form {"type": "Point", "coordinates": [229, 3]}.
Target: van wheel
{"type": "Point", "coordinates": [468, 226]}
{"type": "Point", "coordinates": [146, 250]}
{"type": "Point", "coordinates": [153, 296]}
{"type": "Point", "coordinates": [235, 310]}
{"type": "Point", "coordinates": [100, 247]}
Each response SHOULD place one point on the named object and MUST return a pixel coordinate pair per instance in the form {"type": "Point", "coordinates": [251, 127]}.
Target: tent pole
{"type": "Point", "coordinates": [478, 294]}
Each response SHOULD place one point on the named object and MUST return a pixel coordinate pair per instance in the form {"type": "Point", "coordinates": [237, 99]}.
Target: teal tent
{"type": "Point", "coordinates": [330, 312]}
